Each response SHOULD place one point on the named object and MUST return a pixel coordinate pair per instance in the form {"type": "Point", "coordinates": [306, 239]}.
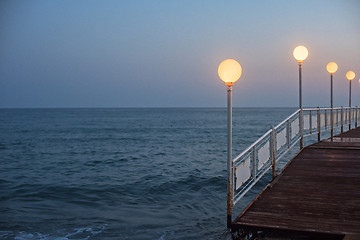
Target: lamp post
{"type": "Point", "coordinates": [300, 54]}
{"type": "Point", "coordinates": [331, 67]}
{"type": "Point", "coordinates": [229, 71]}
{"type": "Point", "coordinates": [350, 75]}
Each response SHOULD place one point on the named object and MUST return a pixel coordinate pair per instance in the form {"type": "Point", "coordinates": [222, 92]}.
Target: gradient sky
{"type": "Point", "coordinates": [165, 53]}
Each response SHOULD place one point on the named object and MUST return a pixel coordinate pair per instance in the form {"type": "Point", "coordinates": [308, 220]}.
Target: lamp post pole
{"type": "Point", "coordinates": [350, 75]}
{"type": "Point", "coordinates": [350, 104]}
{"type": "Point", "coordinates": [229, 157]}
{"type": "Point", "coordinates": [301, 107]}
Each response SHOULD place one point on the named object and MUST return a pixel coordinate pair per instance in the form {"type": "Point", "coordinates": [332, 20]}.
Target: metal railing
{"type": "Point", "coordinates": [261, 156]}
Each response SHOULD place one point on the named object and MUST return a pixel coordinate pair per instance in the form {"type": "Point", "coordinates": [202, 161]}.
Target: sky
{"type": "Point", "coordinates": [160, 53]}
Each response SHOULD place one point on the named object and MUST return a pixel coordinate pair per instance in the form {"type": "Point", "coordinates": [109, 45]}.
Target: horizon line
{"type": "Point", "coordinates": [4, 108]}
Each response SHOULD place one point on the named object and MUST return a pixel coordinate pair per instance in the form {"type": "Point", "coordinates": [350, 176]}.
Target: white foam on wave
{"type": "Point", "coordinates": [87, 232]}
{"type": "Point", "coordinates": [166, 233]}
{"type": "Point", "coordinates": [84, 233]}
{"type": "Point", "coordinates": [30, 236]}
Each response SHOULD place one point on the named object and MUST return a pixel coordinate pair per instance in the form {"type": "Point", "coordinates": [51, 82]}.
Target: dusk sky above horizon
{"type": "Point", "coordinates": [166, 53]}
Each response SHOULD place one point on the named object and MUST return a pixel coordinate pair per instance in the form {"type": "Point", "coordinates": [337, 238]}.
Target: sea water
{"type": "Point", "coordinates": [120, 173]}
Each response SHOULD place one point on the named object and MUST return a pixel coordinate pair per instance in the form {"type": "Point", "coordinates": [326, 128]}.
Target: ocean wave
{"type": "Point", "coordinates": [84, 233]}
{"type": "Point", "coordinates": [166, 233]}
{"type": "Point", "coordinates": [191, 183]}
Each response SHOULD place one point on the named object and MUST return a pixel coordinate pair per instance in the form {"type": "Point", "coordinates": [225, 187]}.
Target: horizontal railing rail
{"type": "Point", "coordinates": [261, 156]}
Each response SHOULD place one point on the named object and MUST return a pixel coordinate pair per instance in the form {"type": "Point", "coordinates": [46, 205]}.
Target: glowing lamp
{"type": "Point", "coordinates": [350, 75]}
{"type": "Point", "coordinates": [331, 67]}
{"type": "Point", "coordinates": [229, 71]}
{"type": "Point", "coordinates": [300, 53]}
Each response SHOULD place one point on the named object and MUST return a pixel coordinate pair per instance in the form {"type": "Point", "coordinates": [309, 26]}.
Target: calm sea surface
{"type": "Point", "coordinates": [120, 173]}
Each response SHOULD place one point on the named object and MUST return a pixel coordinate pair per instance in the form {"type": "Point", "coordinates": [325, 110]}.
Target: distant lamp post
{"type": "Point", "coordinates": [350, 75]}
{"type": "Point", "coordinates": [229, 71]}
{"type": "Point", "coordinates": [300, 54]}
{"type": "Point", "coordinates": [331, 67]}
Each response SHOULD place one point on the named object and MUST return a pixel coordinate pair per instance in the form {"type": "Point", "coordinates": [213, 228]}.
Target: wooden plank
{"type": "Point", "coordinates": [318, 192]}
{"type": "Point", "coordinates": [351, 237]}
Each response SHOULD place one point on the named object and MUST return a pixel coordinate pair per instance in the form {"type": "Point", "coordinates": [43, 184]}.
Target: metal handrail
{"type": "Point", "coordinates": [292, 115]}
{"type": "Point", "coordinates": [251, 146]}
{"type": "Point", "coordinates": [256, 160]}
{"type": "Point", "coordinates": [307, 109]}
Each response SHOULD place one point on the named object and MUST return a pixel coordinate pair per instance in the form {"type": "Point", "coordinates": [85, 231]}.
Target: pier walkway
{"type": "Point", "coordinates": [316, 194]}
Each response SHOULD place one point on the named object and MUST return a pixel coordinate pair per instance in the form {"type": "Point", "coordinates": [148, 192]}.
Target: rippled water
{"type": "Point", "coordinates": [120, 173]}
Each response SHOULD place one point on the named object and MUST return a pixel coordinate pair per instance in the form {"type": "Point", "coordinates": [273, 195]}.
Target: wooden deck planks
{"type": "Point", "coordinates": [318, 192]}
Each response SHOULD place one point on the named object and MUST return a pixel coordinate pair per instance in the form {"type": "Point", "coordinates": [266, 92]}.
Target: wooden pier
{"type": "Point", "coordinates": [316, 195]}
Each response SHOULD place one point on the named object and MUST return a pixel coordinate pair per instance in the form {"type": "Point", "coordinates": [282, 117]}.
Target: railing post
{"type": "Point", "coordinates": [319, 127]}
{"type": "Point", "coordinates": [273, 151]}
{"type": "Point", "coordinates": [288, 135]}
{"type": "Point", "coordinates": [342, 119]}
{"type": "Point", "coordinates": [325, 119]}
{"type": "Point", "coordinates": [350, 117]}
{"type": "Point", "coordinates": [310, 122]}
{"type": "Point", "coordinates": [332, 122]}
{"type": "Point", "coordinates": [356, 116]}
{"type": "Point", "coordinates": [253, 163]}
{"type": "Point", "coordinates": [301, 123]}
